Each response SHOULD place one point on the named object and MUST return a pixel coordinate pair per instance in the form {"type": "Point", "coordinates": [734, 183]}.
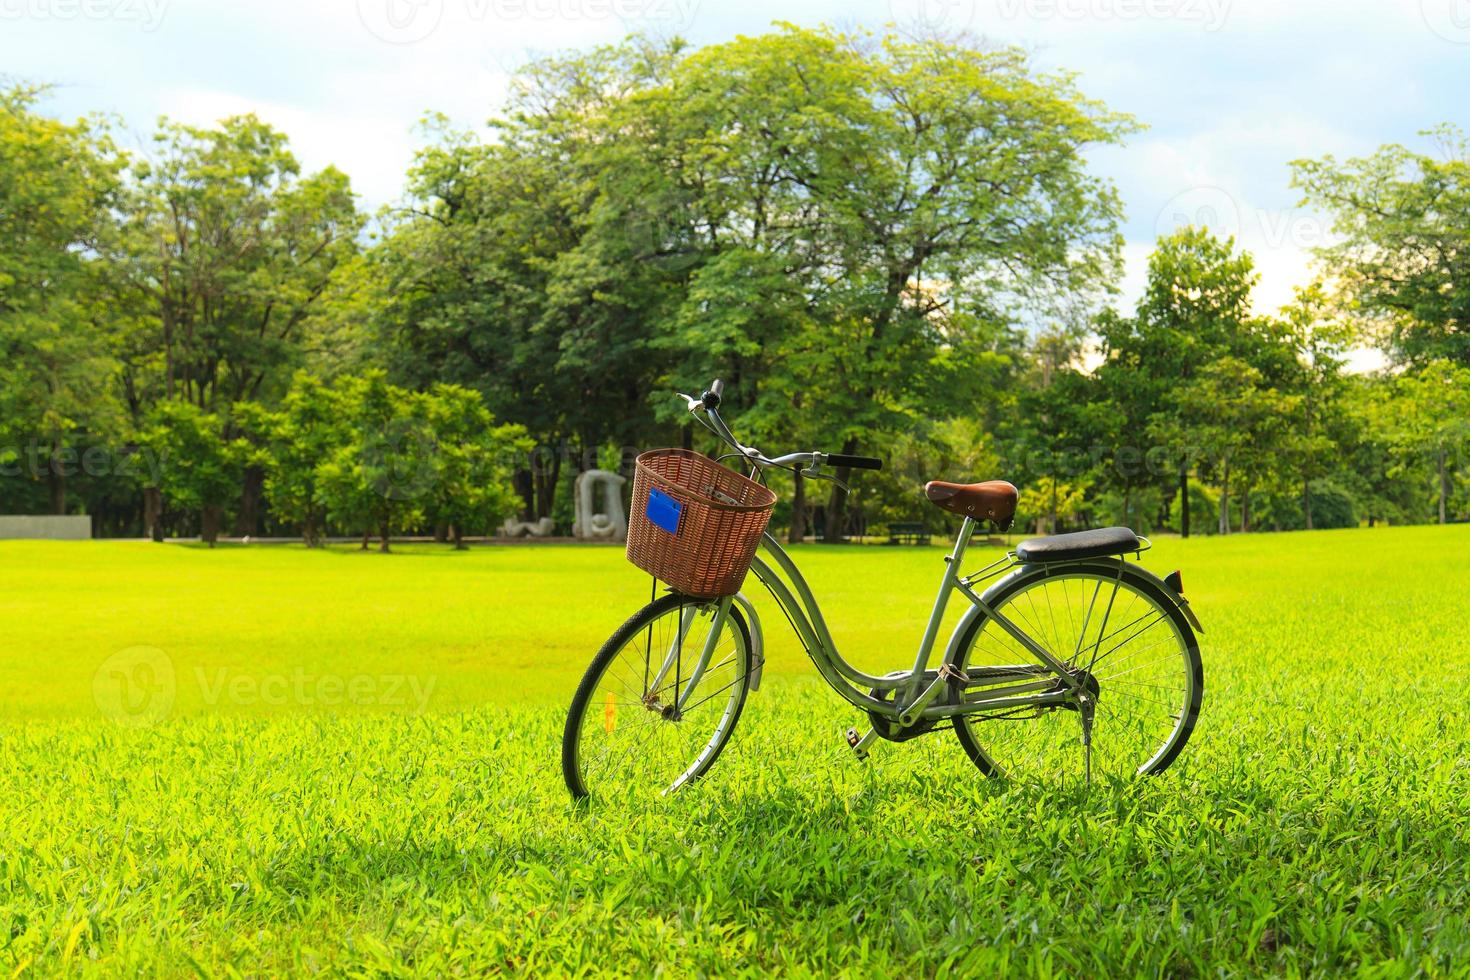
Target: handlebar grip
{"type": "Point", "coordinates": [854, 462]}
{"type": "Point", "coordinates": [717, 388]}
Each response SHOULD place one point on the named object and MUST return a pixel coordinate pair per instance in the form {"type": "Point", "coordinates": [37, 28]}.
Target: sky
{"type": "Point", "coordinates": [1230, 90]}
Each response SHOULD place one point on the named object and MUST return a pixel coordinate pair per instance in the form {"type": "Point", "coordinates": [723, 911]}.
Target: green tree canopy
{"type": "Point", "coordinates": [838, 224]}
{"type": "Point", "coordinates": [58, 183]}
{"type": "Point", "coordinates": [223, 254]}
{"type": "Point", "coordinates": [1404, 253]}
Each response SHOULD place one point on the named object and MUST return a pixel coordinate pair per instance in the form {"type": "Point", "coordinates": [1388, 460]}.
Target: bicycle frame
{"type": "Point", "coordinates": [916, 689]}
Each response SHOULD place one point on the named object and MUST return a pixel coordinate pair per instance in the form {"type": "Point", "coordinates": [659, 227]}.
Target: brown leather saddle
{"type": "Point", "coordinates": [993, 500]}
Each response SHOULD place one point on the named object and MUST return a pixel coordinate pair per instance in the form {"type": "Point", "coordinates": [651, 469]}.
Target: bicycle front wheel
{"type": "Point", "coordinates": [1123, 639]}
{"type": "Point", "coordinates": [636, 727]}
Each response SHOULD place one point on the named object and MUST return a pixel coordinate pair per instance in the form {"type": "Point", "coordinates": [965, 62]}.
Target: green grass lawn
{"type": "Point", "coordinates": [262, 759]}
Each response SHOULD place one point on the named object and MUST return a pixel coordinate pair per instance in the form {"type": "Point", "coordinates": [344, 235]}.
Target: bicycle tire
{"type": "Point", "coordinates": [1140, 582]}
{"type": "Point", "coordinates": [581, 706]}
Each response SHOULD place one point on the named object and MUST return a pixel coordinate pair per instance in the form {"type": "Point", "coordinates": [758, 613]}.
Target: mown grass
{"type": "Point", "coordinates": [1317, 821]}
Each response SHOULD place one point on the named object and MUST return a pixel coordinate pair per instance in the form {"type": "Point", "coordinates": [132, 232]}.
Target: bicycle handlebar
{"type": "Point", "coordinates": [855, 462]}
{"type": "Point", "coordinates": [709, 403]}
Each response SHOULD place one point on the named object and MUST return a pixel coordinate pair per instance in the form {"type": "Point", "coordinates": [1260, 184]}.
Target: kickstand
{"type": "Point", "coordinates": [1085, 715]}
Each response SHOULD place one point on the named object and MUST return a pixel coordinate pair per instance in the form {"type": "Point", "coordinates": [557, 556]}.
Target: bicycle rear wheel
{"type": "Point", "coordinates": [1123, 638]}
{"type": "Point", "coordinates": [630, 733]}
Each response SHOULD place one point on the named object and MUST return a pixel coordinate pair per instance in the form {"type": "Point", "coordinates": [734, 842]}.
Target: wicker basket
{"type": "Point", "coordinates": [695, 524]}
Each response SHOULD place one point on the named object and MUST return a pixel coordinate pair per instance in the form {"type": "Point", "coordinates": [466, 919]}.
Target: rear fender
{"type": "Point", "coordinates": [1131, 569]}
{"type": "Point", "coordinates": [1169, 591]}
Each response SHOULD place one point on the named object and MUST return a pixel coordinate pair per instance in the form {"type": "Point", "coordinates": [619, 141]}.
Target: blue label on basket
{"type": "Point", "coordinates": [663, 510]}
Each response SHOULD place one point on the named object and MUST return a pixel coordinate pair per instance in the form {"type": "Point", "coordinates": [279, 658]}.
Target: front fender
{"type": "Point", "coordinates": [757, 640]}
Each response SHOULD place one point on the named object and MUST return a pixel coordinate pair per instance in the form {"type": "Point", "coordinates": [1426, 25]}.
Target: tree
{"type": "Point", "coordinates": [57, 184]}
{"type": "Point", "coordinates": [1227, 412]}
{"type": "Point", "coordinates": [928, 186]}
{"type": "Point", "coordinates": [1404, 252]}
{"type": "Point", "coordinates": [1057, 420]}
{"type": "Point", "coordinates": [1195, 309]}
{"type": "Point", "coordinates": [381, 479]}
{"type": "Point", "coordinates": [308, 429]}
{"type": "Point", "coordinates": [228, 248]}
{"type": "Point", "coordinates": [200, 467]}
{"type": "Point", "coordinates": [489, 289]}
{"type": "Point", "coordinates": [474, 460]}
{"type": "Point", "coordinates": [224, 254]}
{"type": "Point", "coordinates": [1048, 501]}
{"type": "Point", "coordinates": [1319, 340]}
{"type": "Point", "coordinates": [1429, 417]}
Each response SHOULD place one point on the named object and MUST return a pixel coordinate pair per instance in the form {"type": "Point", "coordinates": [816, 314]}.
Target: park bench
{"type": "Point", "coordinates": [908, 532]}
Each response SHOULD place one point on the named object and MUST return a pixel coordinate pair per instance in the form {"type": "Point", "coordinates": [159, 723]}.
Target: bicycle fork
{"type": "Point", "coordinates": [674, 657]}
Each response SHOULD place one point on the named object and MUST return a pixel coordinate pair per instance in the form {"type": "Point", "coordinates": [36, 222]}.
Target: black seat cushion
{"type": "Point", "coordinates": [1079, 544]}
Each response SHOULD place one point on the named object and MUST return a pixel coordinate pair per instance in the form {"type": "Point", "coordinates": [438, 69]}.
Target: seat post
{"type": "Point", "coordinates": [936, 615]}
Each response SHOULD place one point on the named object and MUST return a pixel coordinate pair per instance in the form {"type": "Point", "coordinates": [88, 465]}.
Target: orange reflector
{"type": "Point", "coordinates": [610, 712]}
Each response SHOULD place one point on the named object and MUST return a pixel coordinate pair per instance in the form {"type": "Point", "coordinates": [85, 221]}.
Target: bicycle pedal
{"type": "Point", "coordinates": [856, 742]}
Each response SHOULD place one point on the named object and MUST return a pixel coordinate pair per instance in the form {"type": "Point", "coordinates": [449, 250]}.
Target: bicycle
{"type": "Point", "coordinates": [1069, 649]}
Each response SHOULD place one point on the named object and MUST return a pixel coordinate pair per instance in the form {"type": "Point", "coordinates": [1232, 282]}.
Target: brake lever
{"type": "Point", "coordinates": [817, 474]}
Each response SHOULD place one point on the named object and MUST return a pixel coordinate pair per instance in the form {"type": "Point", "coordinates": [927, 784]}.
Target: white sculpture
{"type": "Point", "coordinates": [513, 528]}
{"type": "Point", "coordinates": [609, 523]}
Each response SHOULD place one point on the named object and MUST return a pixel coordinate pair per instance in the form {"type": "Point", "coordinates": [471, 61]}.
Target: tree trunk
{"type": "Point", "coordinates": [248, 520]}
{"type": "Point", "coordinates": [546, 486]}
{"type": "Point", "coordinates": [1245, 509]}
{"type": "Point", "coordinates": [311, 533]}
{"type": "Point", "coordinates": [798, 512]}
{"type": "Point", "coordinates": [168, 338]}
{"type": "Point", "coordinates": [441, 534]}
{"type": "Point", "coordinates": [525, 486]}
{"type": "Point", "coordinates": [1444, 490]}
{"type": "Point", "coordinates": [56, 480]}
{"type": "Point", "coordinates": [383, 536]}
{"type": "Point", "coordinates": [367, 536]}
{"type": "Point", "coordinates": [1184, 500]}
{"type": "Point", "coordinates": [153, 513]}
{"type": "Point", "coordinates": [1225, 500]}
{"type": "Point", "coordinates": [209, 521]}
{"type": "Point", "coordinates": [1307, 503]}
{"type": "Point", "coordinates": [458, 536]}
{"type": "Point", "coordinates": [832, 533]}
